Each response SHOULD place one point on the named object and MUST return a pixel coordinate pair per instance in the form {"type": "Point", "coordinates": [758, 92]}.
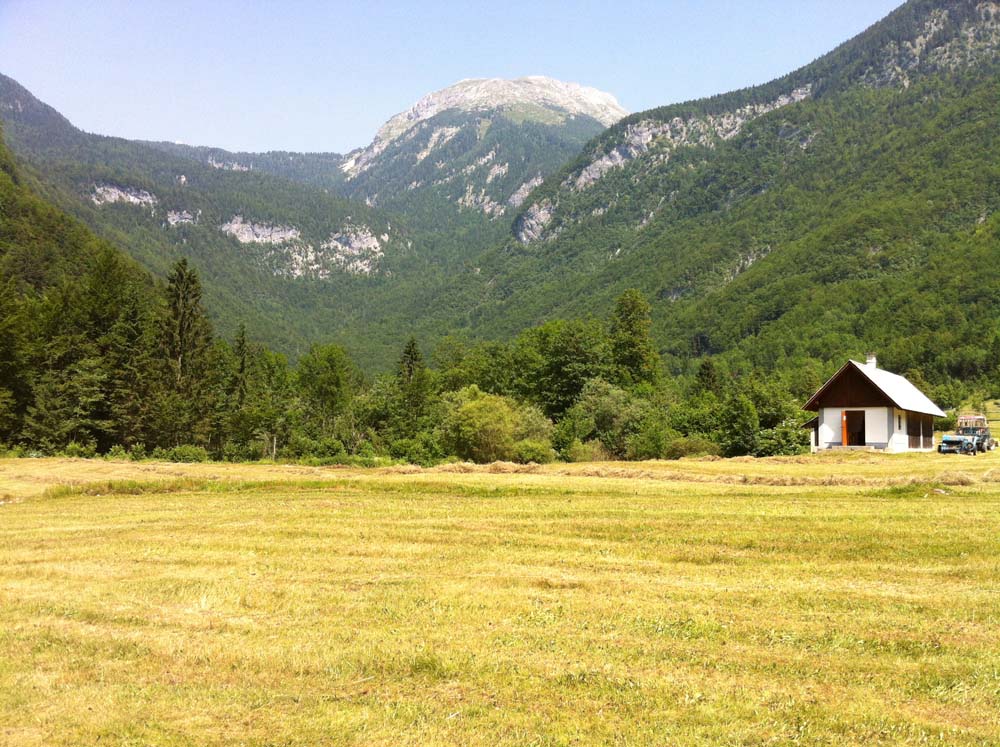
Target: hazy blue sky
{"type": "Point", "coordinates": [324, 75]}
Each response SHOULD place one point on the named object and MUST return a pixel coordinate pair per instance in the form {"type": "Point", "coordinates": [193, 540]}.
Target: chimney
{"type": "Point", "coordinates": [871, 360]}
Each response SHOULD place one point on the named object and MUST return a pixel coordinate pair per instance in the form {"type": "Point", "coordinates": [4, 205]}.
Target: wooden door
{"type": "Point", "coordinates": [854, 422]}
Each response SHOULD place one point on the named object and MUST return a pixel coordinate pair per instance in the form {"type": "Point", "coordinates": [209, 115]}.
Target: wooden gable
{"type": "Point", "coordinates": [848, 388]}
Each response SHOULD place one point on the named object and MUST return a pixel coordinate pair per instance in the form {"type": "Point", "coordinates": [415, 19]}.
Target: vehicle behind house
{"type": "Point", "coordinates": [972, 435]}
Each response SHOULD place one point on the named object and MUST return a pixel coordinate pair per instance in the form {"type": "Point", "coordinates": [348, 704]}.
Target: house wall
{"type": "Point", "coordinates": [877, 427]}
{"type": "Point", "coordinates": [885, 428]}
{"type": "Point", "coordinates": [898, 439]}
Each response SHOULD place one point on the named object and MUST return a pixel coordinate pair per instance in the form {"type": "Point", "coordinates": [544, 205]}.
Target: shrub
{"type": "Point", "coordinates": [947, 423]}
{"type": "Point", "coordinates": [590, 451]}
{"type": "Point", "coordinates": [616, 415]}
{"type": "Point", "coordinates": [117, 452]}
{"type": "Point", "coordinates": [532, 425]}
{"type": "Point", "coordinates": [12, 452]}
{"type": "Point", "coordinates": [652, 439]}
{"type": "Point", "coordinates": [785, 439]}
{"type": "Point", "coordinates": [539, 452]}
{"type": "Point", "coordinates": [183, 453]}
{"type": "Point", "coordinates": [234, 451]}
{"type": "Point", "coordinates": [137, 453]}
{"type": "Point", "coordinates": [479, 427]}
{"type": "Point", "coordinates": [691, 446]}
{"type": "Point", "coordinates": [740, 426]}
{"type": "Point", "coordinates": [576, 426]}
{"type": "Point", "coordinates": [423, 449]}
{"type": "Point", "coordinates": [78, 450]}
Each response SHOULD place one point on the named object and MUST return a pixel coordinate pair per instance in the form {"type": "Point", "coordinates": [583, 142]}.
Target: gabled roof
{"type": "Point", "coordinates": [896, 388]}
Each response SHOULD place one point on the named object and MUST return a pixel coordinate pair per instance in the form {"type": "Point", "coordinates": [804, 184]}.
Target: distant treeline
{"type": "Point", "coordinates": [108, 362]}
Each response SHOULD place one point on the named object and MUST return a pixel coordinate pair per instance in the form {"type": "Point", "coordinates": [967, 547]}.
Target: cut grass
{"type": "Point", "coordinates": [846, 600]}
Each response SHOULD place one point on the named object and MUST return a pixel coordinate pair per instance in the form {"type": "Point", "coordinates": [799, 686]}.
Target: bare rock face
{"type": "Point", "coordinates": [480, 201]}
{"type": "Point", "coordinates": [705, 130]}
{"type": "Point", "coordinates": [650, 139]}
{"type": "Point", "coordinates": [355, 249]}
{"type": "Point", "coordinates": [531, 224]}
{"type": "Point", "coordinates": [521, 193]}
{"type": "Point", "coordinates": [248, 232]}
{"type": "Point", "coordinates": [105, 194]}
{"type": "Point", "coordinates": [228, 165]}
{"type": "Point", "coordinates": [175, 217]}
{"type": "Point", "coordinates": [439, 137]}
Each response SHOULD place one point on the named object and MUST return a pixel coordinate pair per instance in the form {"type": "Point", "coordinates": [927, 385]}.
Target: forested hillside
{"type": "Point", "coordinates": [291, 262]}
{"type": "Point", "coordinates": [277, 248]}
{"type": "Point", "coordinates": [851, 205]}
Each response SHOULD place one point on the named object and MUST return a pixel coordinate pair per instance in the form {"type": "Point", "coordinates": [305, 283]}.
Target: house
{"type": "Point", "coordinates": [862, 406]}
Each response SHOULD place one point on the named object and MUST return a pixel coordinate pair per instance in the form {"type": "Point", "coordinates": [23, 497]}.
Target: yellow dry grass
{"type": "Point", "coordinates": [842, 599]}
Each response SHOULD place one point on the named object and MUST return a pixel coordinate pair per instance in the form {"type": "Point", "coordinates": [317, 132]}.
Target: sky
{"type": "Point", "coordinates": [323, 76]}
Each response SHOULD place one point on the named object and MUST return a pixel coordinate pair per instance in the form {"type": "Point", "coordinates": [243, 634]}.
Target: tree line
{"type": "Point", "coordinates": [109, 362]}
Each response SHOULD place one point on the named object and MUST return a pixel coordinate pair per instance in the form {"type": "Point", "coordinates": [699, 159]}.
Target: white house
{"type": "Point", "coordinates": [863, 406]}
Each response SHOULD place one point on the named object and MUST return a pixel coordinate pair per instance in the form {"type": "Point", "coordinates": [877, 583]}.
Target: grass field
{"type": "Point", "coordinates": [848, 599]}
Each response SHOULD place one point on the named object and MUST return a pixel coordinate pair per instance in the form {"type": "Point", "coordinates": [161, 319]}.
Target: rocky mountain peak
{"type": "Point", "coordinates": [475, 94]}
{"type": "Point", "coordinates": [534, 97]}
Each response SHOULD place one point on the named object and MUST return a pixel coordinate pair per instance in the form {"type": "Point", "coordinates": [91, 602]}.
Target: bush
{"type": "Point", "coordinates": [740, 426]}
{"type": "Point", "coordinates": [785, 439]}
{"type": "Point", "coordinates": [234, 451]}
{"type": "Point", "coordinates": [300, 446]}
{"type": "Point", "coordinates": [691, 446]}
{"type": "Point", "coordinates": [12, 452]}
{"type": "Point", "coordinates": [532, 425]}
{"type": "Point", "coordinates": [77, 450]}
{"type": "Point", "coordinates": [423, 449]}
{"type": "Point", "coordinates": [479, 427]}
{"type": "Point", "coordinates": [591, 451]}
{"type": "Point", "coordinates": [137, 453]}
{"type": "Point", "coordinates": [539, 452]}
{"type": "Point", "coordinates": [947, 423]}
{"type": "Point", "coordinates": [117, 452]}
{"type": "Point", "coordinates": [183, 453]}
{"type": "Point", "coordinates": [652, 439]}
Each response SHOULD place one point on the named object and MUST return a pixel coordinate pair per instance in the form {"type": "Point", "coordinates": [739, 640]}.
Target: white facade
{"type": "Point", "coordinates": [885, 428]}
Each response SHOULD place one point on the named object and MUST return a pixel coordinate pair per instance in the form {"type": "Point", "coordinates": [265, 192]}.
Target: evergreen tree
{"type": "Point", "coordinates": [188, 334]}
{"type": "Point", "coordinates": [14, 389]}
{"type": "Point", "coordinates": [414, 383]}
{"type": "Point", "coordinates": [707, 377]}
{"type": "Point", "coordinates": [632, 350]}
{"type": "Point", "coordinates": [67, 404]}
{"type": "Point", "coordinates": [130, 365]}
{"type": "Point", "coordinates": [187, 403]}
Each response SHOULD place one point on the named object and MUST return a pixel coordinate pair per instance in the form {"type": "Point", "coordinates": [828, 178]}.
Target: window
{"type": "Point", "coordinates": [899, 422]}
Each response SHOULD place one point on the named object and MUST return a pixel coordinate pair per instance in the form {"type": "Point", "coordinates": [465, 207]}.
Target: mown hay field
{"type": "Point", "coordinates": [847, 599]}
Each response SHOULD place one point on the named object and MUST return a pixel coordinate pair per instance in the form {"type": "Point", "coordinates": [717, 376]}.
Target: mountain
{"type": "Point", "coordinates": [304, 246]}
{"type": "Point", "coordinates": [458, 162]}
{"type": "Point", "coordinates": [848, 205]}
{"type": "Point", "coordinates": [293, 262]}
{"type": "Point", "coordinates": [480, 144]}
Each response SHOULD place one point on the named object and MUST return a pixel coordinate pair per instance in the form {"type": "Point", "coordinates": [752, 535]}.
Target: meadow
{"type": "Point", "coordinates": [820, 600]}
